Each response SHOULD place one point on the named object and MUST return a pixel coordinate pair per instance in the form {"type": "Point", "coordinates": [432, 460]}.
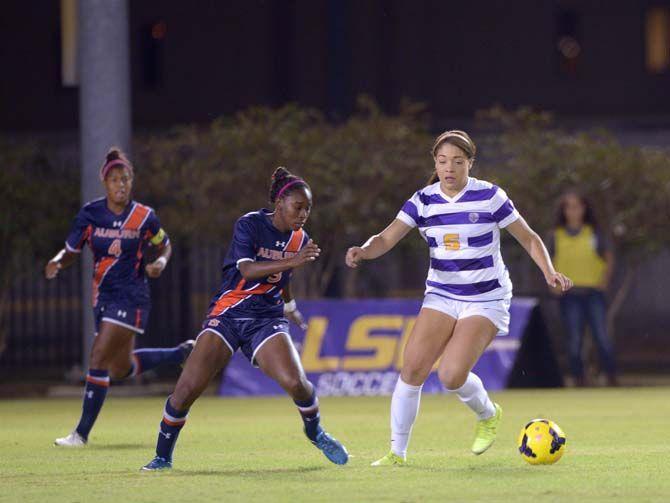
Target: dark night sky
{"type": "Point", "coordinates": [219, 57]}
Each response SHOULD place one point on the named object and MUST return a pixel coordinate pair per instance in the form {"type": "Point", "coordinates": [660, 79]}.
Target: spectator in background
{"type": "Point", "coordinates": [582, 252]}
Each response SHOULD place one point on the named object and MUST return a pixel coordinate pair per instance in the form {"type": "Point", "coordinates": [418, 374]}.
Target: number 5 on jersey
{"type": "Point", "coordinates": [451, 242]}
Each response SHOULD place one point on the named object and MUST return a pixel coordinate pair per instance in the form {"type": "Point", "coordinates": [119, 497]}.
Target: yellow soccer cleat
{"type": "Point", "coordinates": [486, 432]}
{"type": "Point", "coordinates": [391, 459]}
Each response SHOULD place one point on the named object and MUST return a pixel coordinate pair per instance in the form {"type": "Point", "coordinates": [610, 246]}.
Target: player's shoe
{"type": "Point", "coordinates": [391, 459]}
{"type": "Point", "coordinates": [156, 465]}
{"type": "Point", "coordinates": [186, 349]}
{"type": "Point", "coordinates": [486, 432]}
{"type": "Point", "coordinates": [74, 439]}
{"type": "Point", "coordinates": [331, 448]}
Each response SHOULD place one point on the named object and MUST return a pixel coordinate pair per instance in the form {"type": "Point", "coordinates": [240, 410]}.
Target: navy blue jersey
{"type": "Point", "coordinates": [255, 239]}
{"type": "Point", "coordinates": [118, 243]}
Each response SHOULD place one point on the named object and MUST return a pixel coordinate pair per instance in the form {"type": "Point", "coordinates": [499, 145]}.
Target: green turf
{"type": "Point", "coordinates": [253, 450]}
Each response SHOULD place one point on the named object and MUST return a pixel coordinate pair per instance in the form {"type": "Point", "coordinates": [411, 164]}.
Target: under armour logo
{"type": "Point", "coordinates": [166, 435]}
{"type": "Point", "coordinates": [121, 314]}
{"type": "Point", "coordinates": [280, 244]}
{"type": "Point", "coordinates": [89, 394]}
{"type": "Point", "coordinates": [117, 223]}
{"type": "Point", "coordinates": [276, 327]}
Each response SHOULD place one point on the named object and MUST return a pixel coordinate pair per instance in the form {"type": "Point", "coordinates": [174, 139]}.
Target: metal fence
{"type": "Point", "coordinates": [43, 335]}
{"type": "Point", "coordinates": [43, 329]}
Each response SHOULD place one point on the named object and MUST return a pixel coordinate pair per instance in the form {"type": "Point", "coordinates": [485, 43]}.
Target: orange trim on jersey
{"type": "Point", "coordinates": [229, 299]}
{"type": "Point", "coordinates": [85, 236]}
{"type": "Point", "coordinates": [100, 270]}
{"type": "Point", "coordinates": [295, 241]}
{"type": "Point", "coordinates": [137, 215]}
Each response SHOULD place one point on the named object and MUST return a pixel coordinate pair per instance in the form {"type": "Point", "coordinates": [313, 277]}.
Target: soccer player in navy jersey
{"type": "Point", "coordinates": [118, 231]}
{"type": "Point", "coordinates": [248, 312]}
{"type": "Point", "coordinates": [468, 289]}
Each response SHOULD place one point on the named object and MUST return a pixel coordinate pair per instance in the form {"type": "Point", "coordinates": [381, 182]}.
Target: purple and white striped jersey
{"type": "Point", "coordinates": [463, 234]}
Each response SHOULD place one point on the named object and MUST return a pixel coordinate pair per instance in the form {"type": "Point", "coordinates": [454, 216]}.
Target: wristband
{"type": "Point", "coordinates": [290, 306]}
{"type": "Point", "coordinates": [162, 260]}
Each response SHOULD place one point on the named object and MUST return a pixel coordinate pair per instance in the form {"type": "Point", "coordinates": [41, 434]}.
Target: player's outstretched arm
{"type": "Point", "coordinates": [378, 244]}
{"type": "Point", "coordinates": [255, 270]}
{"type": "Point", "coordinates": [534, 245]}
{"type": "Point", "coordinates": [62, 259]}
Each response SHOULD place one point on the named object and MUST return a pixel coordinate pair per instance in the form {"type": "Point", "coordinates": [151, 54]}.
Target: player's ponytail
{"type": "Point", "coordinates": [283, 182]}
{"type": "Point", "coordinates": [455, 137]}
{"type": "Point", "coordinates": [115, 157]}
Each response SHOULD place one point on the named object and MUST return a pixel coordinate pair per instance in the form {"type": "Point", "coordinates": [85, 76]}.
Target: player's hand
{"type": "Point", "coordinates": [309, 253]}
{"type": "Point", "coordinates": [296, 317]}
{"type": "Point", "coordinates": [156, 267]}
{"type": "Point", "coordinates": [354, 256]}
{"type": "Point", "coordinates": [559, 281]}
{"type": "Point", "coordinates": [51, 269]}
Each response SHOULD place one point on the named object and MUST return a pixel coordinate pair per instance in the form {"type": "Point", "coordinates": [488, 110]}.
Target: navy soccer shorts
{"type": "Point", "coordinates": [247, 334]}
{"type": "Point", "coordinates": [132, 317]}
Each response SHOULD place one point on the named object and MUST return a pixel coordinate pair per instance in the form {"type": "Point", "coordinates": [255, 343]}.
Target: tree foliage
{"type": "Point", "coordinates": [38, 197]}
{"type": "Point", "coordinates": [536, 162]}
{"type": "Point", "coordinates": [361, 171]}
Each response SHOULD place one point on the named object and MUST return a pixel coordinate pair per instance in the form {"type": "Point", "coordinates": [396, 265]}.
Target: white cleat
{"type": "Point", "coordinates": [74, 439]}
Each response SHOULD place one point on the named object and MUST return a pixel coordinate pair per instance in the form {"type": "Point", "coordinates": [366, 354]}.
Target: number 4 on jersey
{"type": "Point", "coordinates": [115, 248]}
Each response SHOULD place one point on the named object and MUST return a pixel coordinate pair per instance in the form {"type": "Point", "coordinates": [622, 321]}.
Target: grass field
{"type": "Point", "coordinates": [254, 450]}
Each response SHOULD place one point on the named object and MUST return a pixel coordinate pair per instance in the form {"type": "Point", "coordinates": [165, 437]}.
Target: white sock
{"type": "Point", "coordinates": [473, 394]}
{"type": "Point", "coordinates": [404, 408]}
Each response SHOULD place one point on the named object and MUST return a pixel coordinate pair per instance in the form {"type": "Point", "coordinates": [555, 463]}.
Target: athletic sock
{"type": "Point", "coordinates": [473, 394]}
{"type": "Point", "coordinates": [171, 424]}
{"type": "Point", "coordinates": [404, 409]}
{"type": "Point", "coordinates": [97, 382]}
{"type": "Point", "coordinates": [309, 411]}
{"type": "Point", "coordinates": [149, 358]}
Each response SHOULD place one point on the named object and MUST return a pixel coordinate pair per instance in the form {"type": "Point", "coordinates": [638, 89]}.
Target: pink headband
{"type": "Point", "coordinates": [299, 180]}
{"type": "Point", "coordinates": [116, 162]}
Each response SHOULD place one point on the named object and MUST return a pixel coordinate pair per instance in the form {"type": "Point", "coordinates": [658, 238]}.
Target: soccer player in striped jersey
{"type": "Point", "coordinates": [468, 289]}
{"type": "Point", "coordinates": [248, 313]}
{"type": "Point", "coordinates": [118, 231]}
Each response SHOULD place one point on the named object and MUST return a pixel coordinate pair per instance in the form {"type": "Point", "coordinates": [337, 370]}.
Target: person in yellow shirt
{"type": "Point", "coordinates": [581, 251]}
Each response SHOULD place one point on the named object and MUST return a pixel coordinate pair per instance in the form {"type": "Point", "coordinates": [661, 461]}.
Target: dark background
{"type": "Point", "coordinates": [193, 61]}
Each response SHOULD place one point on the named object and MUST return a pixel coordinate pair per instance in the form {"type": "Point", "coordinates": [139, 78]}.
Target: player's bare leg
{"type": "Point", "coordinates": [472, 335]}
{"type": "Point", "coordinates": [112, 345]}
{"type": "Point", "coordinates": [428, 339]}
{"type": "Point", "coordinates": [210, 355]}
{"type": "Point", "coordinates": [279, 359]}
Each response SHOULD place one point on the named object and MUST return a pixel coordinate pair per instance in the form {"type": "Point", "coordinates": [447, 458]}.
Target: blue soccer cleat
{"type": "Point", "coordinates": [156, 465]}
{"type": "Point", "coordinates": [331, 448]}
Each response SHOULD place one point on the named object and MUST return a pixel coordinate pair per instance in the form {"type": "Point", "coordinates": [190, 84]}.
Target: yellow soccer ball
{"type": "Point", "coordinates": [541, 442]}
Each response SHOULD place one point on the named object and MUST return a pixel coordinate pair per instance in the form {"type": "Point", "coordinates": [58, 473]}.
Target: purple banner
{"type": "Point", "coordinates": [354, 347]}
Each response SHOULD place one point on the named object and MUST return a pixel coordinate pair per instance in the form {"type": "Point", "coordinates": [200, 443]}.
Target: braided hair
{"type": "Point", "coordinates": [283, 183]}
{"type": "Point", "coordinates": [115, 158]}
